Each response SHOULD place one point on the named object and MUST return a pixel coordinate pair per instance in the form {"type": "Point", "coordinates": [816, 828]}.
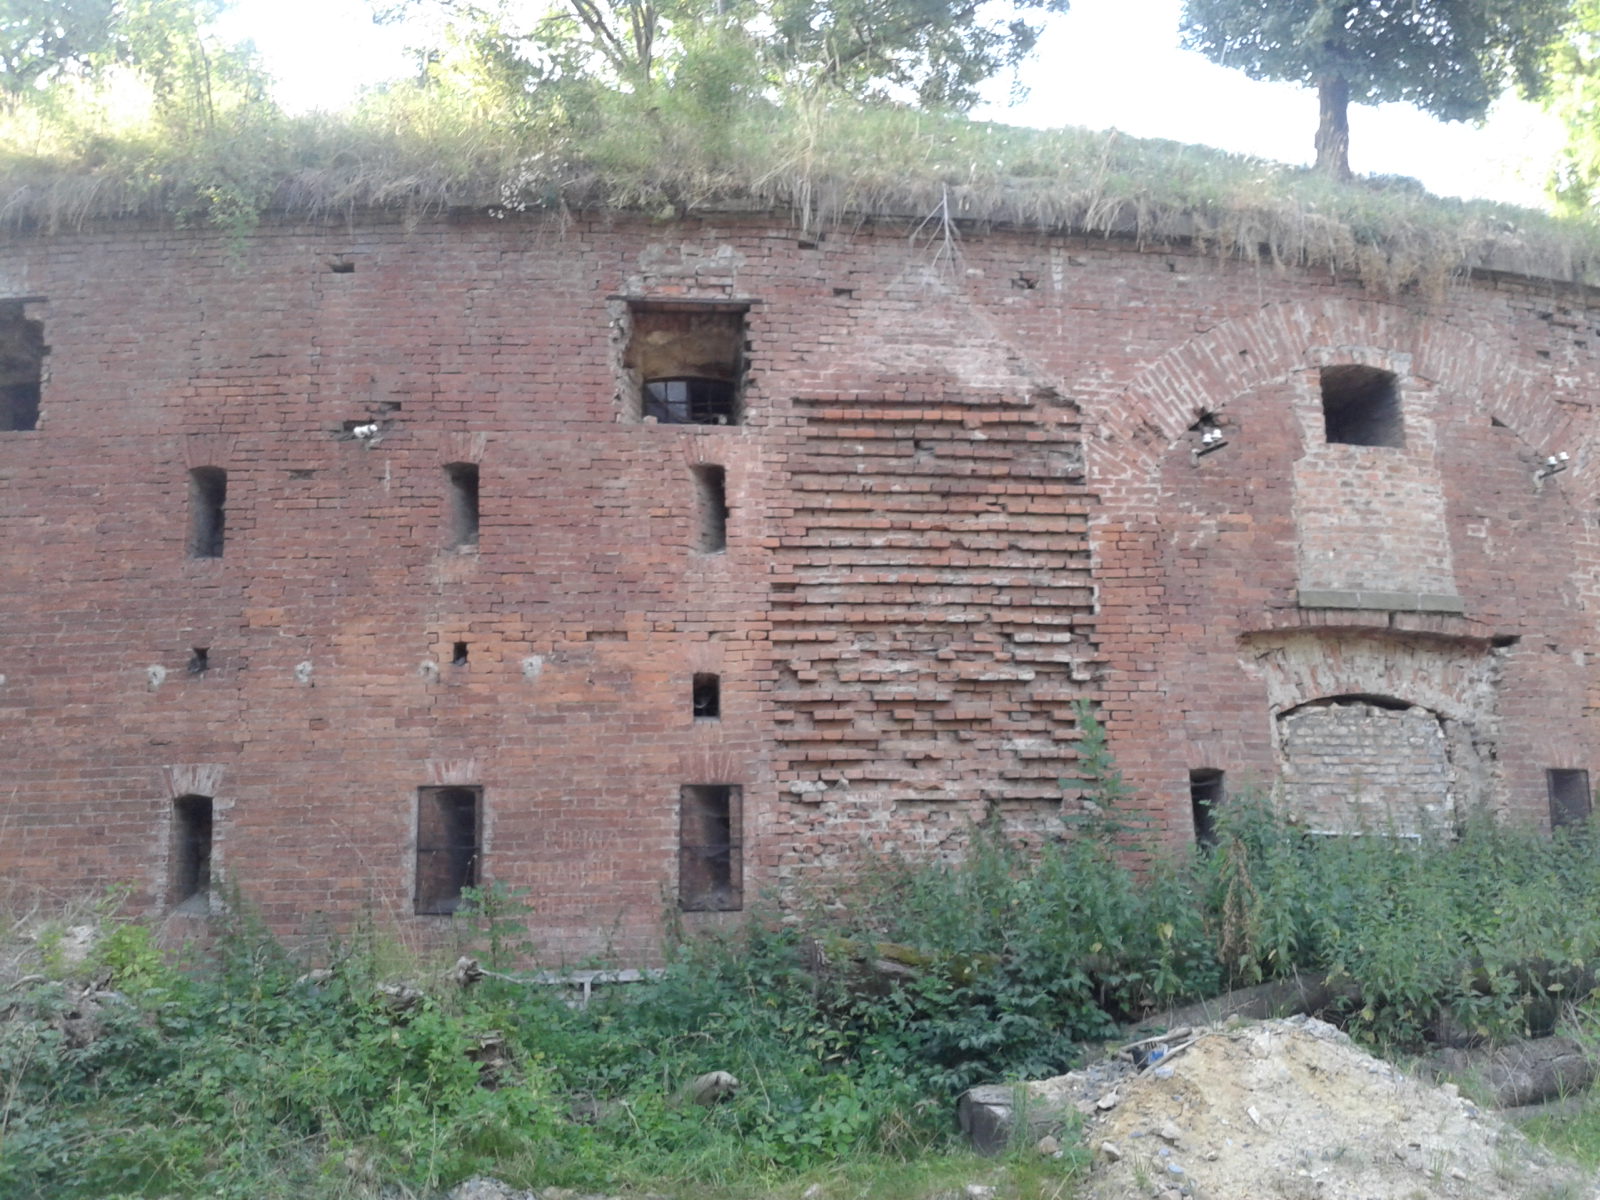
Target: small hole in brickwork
{"type": "Point", "coordinates": [707, 696]}
{"type": "Point", "coordinates": [844, 293]}
{"type": "Point", "coordinates": [1542, 353]}
{"type": "Point", "coordinates": [1205, 797]}
{"type": "Point", "coordinates": [1570, 798]}
{"type": "Point", "coordinates": [448, 846]}
{"type": "Point", "coordinates": [1361, 406]}
{"type": "Point", "coordinates": [805, 245]}
{"type": "Point", "coordinates": [191, 848]}
{"type": "Point", "coordinates": [199, 661]}
{"type": "Point", "coordinates": [462, 514]}
{"type": "Point", "coordinates": [1501, 641]}
{"type": "Point", "coordinates": [302, 472]}
{"type": "Point", "coordinates": [711, 504]}
{"type": "Point", "coordinates": [342, 266]}
{"type": "Point", "coordinates": [208, 500]}
{"type": "Point", "coordinates": [710, 850]}
{"type": "Point", "coordinates": [1497, 423]}
{"type": "Point", "coordinates": [458, 655]}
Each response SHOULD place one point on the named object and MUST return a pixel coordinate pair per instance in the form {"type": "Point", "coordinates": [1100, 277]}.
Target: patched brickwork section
{"type": "Point", "coordinates": [932, 609]}
{"type": "Point", "coordinates": [1353, 766]}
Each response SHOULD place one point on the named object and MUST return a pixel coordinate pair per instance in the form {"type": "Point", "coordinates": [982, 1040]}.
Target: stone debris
{"type": "Point", "coordinates": [1294, 1110]}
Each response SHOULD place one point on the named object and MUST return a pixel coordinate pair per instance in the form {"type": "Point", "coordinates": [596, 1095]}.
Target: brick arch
{"type": "Point", "coordinates": [1139, 427]}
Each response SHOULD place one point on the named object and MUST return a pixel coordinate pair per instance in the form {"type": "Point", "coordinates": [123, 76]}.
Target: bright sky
{"type": "Point", "coordinates": [1105, 64]}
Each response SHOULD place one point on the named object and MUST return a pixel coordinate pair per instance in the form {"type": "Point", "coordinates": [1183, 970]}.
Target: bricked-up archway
{"type": "Point", "coordinates": [1367, 764]}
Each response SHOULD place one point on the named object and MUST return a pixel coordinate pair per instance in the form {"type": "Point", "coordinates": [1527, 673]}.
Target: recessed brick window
{"type": "Point", "coordinates": [710, 858]}
{"type": "Point", "coordinates": [208, 501]}
{"type": "Point", "coordinates": [1205, 798]}
{"type": "Point", "coordinates": [448, 846]}
{"type": "Point", "coordinates": [461, 515]}
{"type": "Point", "coordinates": [1571, 801]}
{"type": "Point", "coordinates": [191, 850]}
{"type": "Point", "coordinates": [707, 697]}
{"type": "Point", "coordinates": [686, 360]}
{"type": "Point", "coordinates": [711, 509]}
{"type": "Point", "coordinates": [1361, 406]}
{"type": "Point", "coordinates": [22, 352]}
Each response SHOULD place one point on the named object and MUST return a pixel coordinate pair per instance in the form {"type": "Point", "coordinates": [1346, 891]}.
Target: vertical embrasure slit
{"type": "Point", "coordinates": [448, 847]}
{"type": "Point", "coordinates": [710, 859]}
{"type": "Point", "coordinates": [463, 504]}
{"type": "Point", "coordinates": [199, 660]}
{"type": "Point", "coordinates": [208, 500]}
{"type": "Point", "coordinates": [711, 509]}
{"type": "Point", "coordinates": [707, 696]}
{"type": "Point", "coordinates": [22, 352]}
{"type": "Point", "coordinates": [1570, 798]}
{"type": "Point", "coordinates": [459, 655]}
{"type": "Point", "coordinates": [1205, 798]}
{"type": "Point", "coordinates": [191, 848]}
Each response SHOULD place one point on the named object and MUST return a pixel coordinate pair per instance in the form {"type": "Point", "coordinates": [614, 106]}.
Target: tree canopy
{"type": "Point", "coordinates": [934, 52]}
{"type": "Point", "coordinates": [1450, 58]}
{"type": "Point", "coordinates": [164, 42]}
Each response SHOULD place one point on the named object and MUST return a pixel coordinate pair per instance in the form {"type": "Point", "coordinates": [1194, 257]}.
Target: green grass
{"type": "Point", "coordinates": [415, 150]}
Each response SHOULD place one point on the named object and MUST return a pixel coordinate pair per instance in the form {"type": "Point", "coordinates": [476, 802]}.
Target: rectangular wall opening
{"type": "Point", "coordinates": [1361, 406]}
{"type": "Point", "coordinates": [22, 352]}
{"type": "Point", "coordinates": [448, 846]}
{"type": "Point", "coordinates": [1205, 798]}
{"type": "Point", "coordinates": [462, 506]}
{"type": "Point", "coordinates": [711, 509]}
{"type": "Point", "coordinates": [710, 848]}
{"type": "Point", "coordinates": [1571, 801]}
{"type": "Point", "coordinates": [208, 501]}
{"type": "Point", "coordinates": [707, 697]}
{"type": "Point", "coordinates": [191, 851]}
{"type": "Point", "coordinates": [685, 362]}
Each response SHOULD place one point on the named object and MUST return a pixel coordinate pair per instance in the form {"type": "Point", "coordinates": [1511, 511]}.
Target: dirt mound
{"type": "Point", "coordinates": [1293, 1110]}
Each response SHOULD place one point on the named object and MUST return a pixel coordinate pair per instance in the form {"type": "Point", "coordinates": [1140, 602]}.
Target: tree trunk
{"type": "Point", "coordinates": [1333, 127]}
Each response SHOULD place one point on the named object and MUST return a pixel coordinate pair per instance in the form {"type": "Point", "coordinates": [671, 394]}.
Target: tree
{"type": "Point", "coordinates": [1574, 96]}
{"type": "Point", "coordinates": [164, 41]}
{"type": "Point", "coordinates": [1450, 58]}
{"type": "Point", "coordinates": [934, 51]}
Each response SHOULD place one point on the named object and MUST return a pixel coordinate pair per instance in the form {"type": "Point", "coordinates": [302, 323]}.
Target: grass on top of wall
{"type": "Point", "coordinates": [424, 150]}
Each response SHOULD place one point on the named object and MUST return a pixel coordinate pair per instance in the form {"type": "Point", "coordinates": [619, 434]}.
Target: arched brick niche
{"type": "Point", "coordinates": [1382, 733]}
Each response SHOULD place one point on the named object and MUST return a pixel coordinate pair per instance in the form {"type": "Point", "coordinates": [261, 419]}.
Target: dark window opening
{"type": "Point", "coordinates": [208, 500]}
{"type": "Point", "coordinates": [687, 361]}
{"type": "Point", "coordinates": [707, 697]}
{"type": "Point", "coordinates": [191, 848]}
{"type": "Point", "coordinates": [711, 505]}
{"type": "Point", "coordinates": [463, 514]}
{"type": "Point", "coordinates": [710, 857]}
{"type": "Point", "coordinates": [1570, 798]}
{"type": "Point", "coordinates": [1361, 407]}
{"type": "Point", "coordinates": [458, 655]}
{"type": "Point", "coordinates": [447, 846]}
{"type": "Point", "coordinates": [22, 352]}
{"type": "Point", "coordinates": [691, 402]}
{"type": "Point", "coordinates": [199, 660]}
{"type": "Point", "coordinates": [1205, 797]}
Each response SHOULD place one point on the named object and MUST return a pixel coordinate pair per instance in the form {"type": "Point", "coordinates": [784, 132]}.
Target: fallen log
{"type": "Point", "coordinates": [1525, 1072]}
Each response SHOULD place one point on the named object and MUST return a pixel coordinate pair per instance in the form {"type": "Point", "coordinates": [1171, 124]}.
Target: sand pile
{"type": "Point", "coordinates": [1293, 1110]}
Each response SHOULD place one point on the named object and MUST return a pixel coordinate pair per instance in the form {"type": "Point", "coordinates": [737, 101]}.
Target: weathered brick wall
{"type": "Point", "coordinates": [963, 495]}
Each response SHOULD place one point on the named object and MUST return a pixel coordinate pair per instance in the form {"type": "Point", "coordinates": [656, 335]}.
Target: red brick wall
{"type": "Point", "coordinates": [963, 496]}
